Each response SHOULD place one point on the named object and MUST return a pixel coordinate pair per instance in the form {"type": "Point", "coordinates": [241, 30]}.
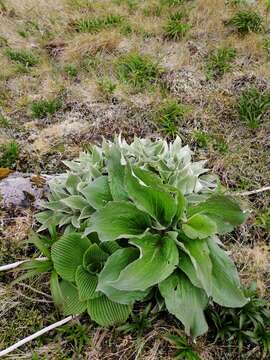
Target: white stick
{"type": "Point", "coordinates": [34, 336]}
{"type": "Point", "coordinates": [252, 192]}
{"type": "Point", "coordinates": [18, 263]}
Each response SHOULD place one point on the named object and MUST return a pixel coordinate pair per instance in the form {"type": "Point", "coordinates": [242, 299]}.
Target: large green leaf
{"type": "Point", "coordinates": [67, 254]}
{"type": "Point", "coordinates": [86, 283]}
{"type": "Point", "coordinates": [119, 219]}
{"type": "Point", "coordinates": [224, 210]}
{"type": "Point", "coordinates": [226, 289]}
{"type": "Point", "coordinates": [106, 312]}
{"type": "Point", "coordinates": [186, 302]}
{"type": "Point", "coordinates": [71, 302]}
{"type": "Point", "coordinates": [114, 265]}
{"type": "Point", "coordinates": [154, 200]}
{"type": "Point", "coordinates": [199, 226]}
{"type": "Point", "coordinates": [116, 174]}
{"type": "Point", "coordinates": [196, 263]}
{"type": "Point", "coordinates": [98, 193]}
{"type": "Point", "coordinates": [158, 259]}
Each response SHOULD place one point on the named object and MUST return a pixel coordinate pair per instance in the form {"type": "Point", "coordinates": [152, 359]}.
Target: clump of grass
{"type": "Point", "coordinates": [219, 62]}
{"type": "Point", "coordinates": [9, 153]}
{"type": "Point", "coordinates": [42, 108]}
{"type": "Point", "coordinates": [169, 117]}
{"type": "Point", "coordinates": [176, 28]}
{"type": "Point", "coordinates": [152, 10]}
{"type": "Point", "coordinates": [98, 23]}
{"type": "Point", "coordinates": [23, 57]}
{"type": "Point", "coordinates": [4, 122]}
{"type": "Point", "coordinates": [252, 106]}
{"type": "Point", "coordinates": [137, 70]}
{"type": "Point", "coordinates": [71, 70]}
{"type": "Point", "coordinates": [106, 87]}
{"type": "Point", "coordinates": [202, 138]}
{"type": "Point", "coordinates": [172, 2]}
{"type": "Point", "coordinates": [245, 21]}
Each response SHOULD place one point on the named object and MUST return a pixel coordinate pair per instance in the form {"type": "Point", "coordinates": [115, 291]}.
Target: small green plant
{"type": "Point", "coordinates": [98, 23]}
{"type": "Point", "coordinates": [140, 322]}
{"type": "Point", "coordinates": [202, 138]}
{"type": "Point", "coordinates": [42, 108]}
{"type": "Point", "coordinates": [219, 62]}
{"type": "Point", "coordinates": [242, 327]}
{"type": "Point", "coordinates": [4, 122]}
{"type": "Point", "coordinates": [170, 116]}
{"type": "Point", "coordinates": [246, 21]}
{"type": "Point", "coordinates": [267, 5]}
{"type": "Point", "coordinates": [9, 153]}
{"type": "Point", "coordinates": [252, 106]}
{"type": "Point", "coordinates": [184, 350]}
{"type": "Point", "coordinates": [176, 28]}
{"type": "Point", "coordinates": [71, 70]}
{"type": "Point", "coordinates": [23, 57]}
{"type": "Point", "coordinates": [263, 220]}
{"type": "Point", "coordinates": [106, 86]}
{"type": "Point", "coordinates": [137, 70]}
{"type": "Point", "coordinates": [77, 335]}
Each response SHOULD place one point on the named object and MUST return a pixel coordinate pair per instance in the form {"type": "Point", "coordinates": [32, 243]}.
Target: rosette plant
{"type": "Point", "coordinates": [139, 221]}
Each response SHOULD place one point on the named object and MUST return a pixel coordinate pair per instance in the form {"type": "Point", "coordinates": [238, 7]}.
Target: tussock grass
{"type": "Point", "coordinates": [42, 108]}
{"type": "Point", "coordinates": [176, 27]}
{"type": "Point", "coordinates": [252, 106]}
{"type": "Point", "coordinates": [23, 57]}
{"type": "Point", "coordinates": [97, 23]}
{"type": "Point", "coordinates": [169, 117]}
{"type": "Point", "coordinates": [137, 70]}
{"type": "Point", "coordinates": [220, 61]}
{"type": "Point", "coordinates": [245, 21]}
{"type": "Point", "coordinates": [9, 153]}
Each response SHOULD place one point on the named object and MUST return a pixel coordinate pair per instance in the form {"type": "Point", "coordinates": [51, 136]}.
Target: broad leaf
{"type": "Point", "coordinates": [114, 265]}
{"type": "Point", "coordinates": [158, 259]}
{"type": "Point", "coordinates": [75, 202]}
{"type": "Point", "coordinates": [116, 174]}
{"type": "Point", "coordinates": [226, 284]}
{"type": "Point", "coordinates": [98, 193]}
{"type": "Point", "coordinates": [67, 254]}
{"type": "Point", "coordinates": [106, 312]}
{"type": "Point", "coordinates": [119, 219]}
{"type": "Point", "coordinates": [223, 209]}
{"type": "Point", "coordinates": [86, 283]}
{"type": "Point", "coordinates": [71, 302]}
{"type": "Point", "coordinates": [196, 263]}
{"type": "Point", "coordinates": [155, 201]}
{"type": "Point", "coordinates": [186, 302]}
{"type": "Point", "coordinates": [199, 227]}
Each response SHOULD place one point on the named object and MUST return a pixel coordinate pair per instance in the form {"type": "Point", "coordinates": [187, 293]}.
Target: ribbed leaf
{"type": "Point", "coordinates": [226, 284]}
{"type": "Point", "coordinates": [98, 193]}
{"type": "Point", "coordinates": [114, 265]}
{"type": "Point", "coordinates": [94, 255]}
{"type": "Point", "coordinates": [186, 302]}
{"type": "Point", "coordinates": [86, 283]}
{"type": "Point", "coordinates": [72, 183]}
{"type": "Point", "coordinates": [197, 263]}
{"type": "Point", "coordinates": [119, 219]}
{"type": "Point", "coordinates": [155, 201]}
{"type": "Point", "coordinates": [199, 227]}
{"type": "Point", "coordinates": [106, 312]}
{"type": "Point", "coordinates": [158, 259]}
{"type": "Point", "coordinates": [75, 202]}
{"type": "Point", "coordinates": [71, 302]}
{"type": "Point", "coordinates": [67, 254]}
{"type": "Point", "coordinates": [116, 174]}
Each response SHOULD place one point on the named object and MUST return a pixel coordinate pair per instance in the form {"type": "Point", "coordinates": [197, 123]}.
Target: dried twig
{"type": "Point", "coordinates": [252, 192]}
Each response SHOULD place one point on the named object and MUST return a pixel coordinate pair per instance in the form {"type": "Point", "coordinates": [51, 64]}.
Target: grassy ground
{"type": "Point", "coordinates": [72, 71]}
